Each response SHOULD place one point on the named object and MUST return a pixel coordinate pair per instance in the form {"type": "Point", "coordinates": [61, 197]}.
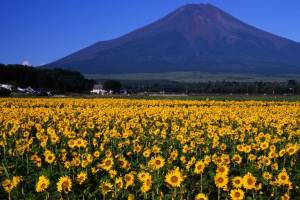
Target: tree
{"type": "Point", "coordinates": [4, 92]}
{"type": "Point", "coordinates": [113, 85]}
{"type": "Point", "coordinates": [56, 80]}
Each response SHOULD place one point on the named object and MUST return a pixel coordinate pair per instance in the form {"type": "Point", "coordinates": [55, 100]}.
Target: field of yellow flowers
{"type": "Point", "coordinates": [149, 149]}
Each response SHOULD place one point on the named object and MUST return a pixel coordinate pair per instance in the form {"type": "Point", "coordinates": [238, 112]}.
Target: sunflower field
{"type": "Point", "coordinates": [149, 149]}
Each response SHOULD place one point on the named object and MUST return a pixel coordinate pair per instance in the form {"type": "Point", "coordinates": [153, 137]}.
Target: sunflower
{"type": "Point", "coordinates": [148, 181]}
{"type": "Point", "coordinates": [123, 162]}
{"type": "Point", "coordinates": [273, 154]}
{"type": "Point", "coordinates": [129, 179]}
{"type": "Point", "coordinates": [283, 178]}
{"type": "Point", "coordinates": [207, 160]}
{"type": "Point", "coordinates": [285, 197]}
{"type": "Point", "coordinates": [81, 143]}
{"type": "Point", "coordinates": [274, 166]}
{"type": "Point", "coordinates": [81, 177]}
{"type": "Point", "coordinates": [237, 182]}
{"type": "Point", "coordinates": [130, 197]}
{"type": "Point", "coordinates": [7, 185]}
{"type": "Point", "coordinates": [223, 170]}
{"type": "Point", "coordinates": [292, 150]}
{"type": "Point", "coordinates": [267, 175]}
{"type": "Point", "coordinates": [147, 153]}
{"type": "Point", "coordinates": [142, 176]}
{"type": "Point", "coordinates": [156, 149]}
{"type": "Point", "coordinates": [71, 143]}
{"type": "Point", "coordinates": [105, 187]}
{"type": "Point", "coordinates": [107, 164]}
{"type": "Point", "coordinates": [76, 161]}
{"type": "Point", "coordinates": [249, 181]}
{"type": "Point", "coordinates": [174, 155]}
{"type": "Point", "coordinates": [237, 159]}
{"type": "Point", "coordinates": [183, 159]}
{"type": "Point", "coordinates": [112, 173]}
{"type": "Point", "coordinates": [252, 157]}
{"type": "Point", "coordinates": [240, 147]}
{"type": "Point", "coordinates": [201, 196]}
{"type": "Point", "coordinates": [199, 167]}
{"type": "Point", "coordinates": [237, 194]}
{"type": "Point", "coordinates": [145, 188]}
{"type": "Point", "coordinates": [247, 149]}
{"type": "Point", "coordinates": [147, 184]}
{"type": "Point", "coordinates": [221, 180]}
{"type": "Point", "coordinates": [16, 180]}
{"type": "Point", "coordinates": [264, 145]}
{"type": "Point", "coordinates": [64, 184]}
{"type": "Point", "coordinates": [156, 162]}
{"type": "Point", "coordinates": [96, 154]}
{"type": "Point", "coordinates": [42, 184]}
{"type": "Point", "coordinates": [282, 152]}
{"type": "Point", "coordinates": [119, 183]}
{"type": "Point", "coordinates": [49, 157]}
{"type": "Point", "coordinates": [174, 178]}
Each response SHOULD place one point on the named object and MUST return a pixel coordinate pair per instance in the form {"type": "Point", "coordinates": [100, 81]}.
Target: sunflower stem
{"type": "Point", "coordinates": [201, 183]}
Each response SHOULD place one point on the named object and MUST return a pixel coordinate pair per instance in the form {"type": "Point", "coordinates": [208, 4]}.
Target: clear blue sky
{"type": "Point", "coordinates": [42, 31]}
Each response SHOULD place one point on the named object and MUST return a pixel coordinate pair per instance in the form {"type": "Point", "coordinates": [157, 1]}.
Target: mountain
{"type": "Point", "coordinates": [195, 37]}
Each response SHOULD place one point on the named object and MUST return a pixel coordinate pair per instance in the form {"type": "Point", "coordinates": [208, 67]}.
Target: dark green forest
{"type": "Point", "coordinates": [58, 81]}
{"type": "Point", "coordinates": [213, 87]}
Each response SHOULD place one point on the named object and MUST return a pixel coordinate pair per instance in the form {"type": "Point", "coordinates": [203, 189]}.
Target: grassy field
{"type": "Point", "coordinates": [198, 97]}
{"type": "Point", "coordinates": [193, 77]}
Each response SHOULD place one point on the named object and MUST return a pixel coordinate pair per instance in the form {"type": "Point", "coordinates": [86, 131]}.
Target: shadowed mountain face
{"type": "Point", "coordinates": [195, 37]}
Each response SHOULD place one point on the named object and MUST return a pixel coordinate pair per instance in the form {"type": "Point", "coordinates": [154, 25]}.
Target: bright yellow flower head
{"type": "Point", "coordinates": [119, 183]}
{"type": "Point", "coordinates": [64, 184]}
{"type": "Point", "coordinates": [81, 177]}
{"type": "Point", "coordinates": [249, 181]}
{"type": "Point", "coordinates": [201, 196]}
{"type": "Point", "coordinates": [42, 184]}
{"type": "Point", "coordinates": [174, 178]}
{"type": "Point", "coordinates": [199, 167]}
{"type": "Point", "coordinates": [129, 179]}
{"type": "Point", "coordinates": [156, 162]}
{"type": "Point", "coordinates": [105, 187]}
{"type": "Point", "coordinates": [283, 178]}
{"type": "Point", "coordinates": [221, 180]}
{"type": "Point", "coordinates": [237, 194]}
{"type": "Point", "coordinates": [237, 182]}
{"type": "Point", "coordinates": [10, 184]}
{"type": "Point", "coordinates": [49, 157]}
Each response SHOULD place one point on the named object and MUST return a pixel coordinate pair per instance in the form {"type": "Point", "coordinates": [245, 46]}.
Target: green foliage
{"type": "Point", "coordinates": [57, 80]}
{"type": "Point", "coordinates": [113, 85]}
{"type": "Point", "coordinates": [213, 87]}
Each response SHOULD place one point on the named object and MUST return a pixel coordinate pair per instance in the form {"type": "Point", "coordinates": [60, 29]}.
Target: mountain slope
{"type": "Point", "coordinates": [195, 37]}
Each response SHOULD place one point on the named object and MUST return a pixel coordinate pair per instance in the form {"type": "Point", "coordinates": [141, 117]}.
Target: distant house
{"type": "Point", "coordinates": [98, 89]}
{"type": "Point", "coordinates": [7, 86]}
{"type": "Point", "coordinates": [30, 90]}
{"type": "Point", "coordinates": [21, 90]}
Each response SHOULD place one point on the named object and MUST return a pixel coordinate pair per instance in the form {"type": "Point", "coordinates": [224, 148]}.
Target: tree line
{"type": "Point", "coordinates": [61, 81]}
{"type": "Point", "coordinates": [222, 87]}
{"type": "Point", "coordinates": [56, 80]}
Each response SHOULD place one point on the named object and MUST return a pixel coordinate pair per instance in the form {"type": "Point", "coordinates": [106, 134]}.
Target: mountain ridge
{"type": "Point", "coordinates": [194, 37]}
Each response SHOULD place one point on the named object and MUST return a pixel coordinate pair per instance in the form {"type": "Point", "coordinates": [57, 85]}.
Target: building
{"type": "Point", "coordinates": [98, 89]}
{"type": "Point", "coordinates": [7, 86]}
